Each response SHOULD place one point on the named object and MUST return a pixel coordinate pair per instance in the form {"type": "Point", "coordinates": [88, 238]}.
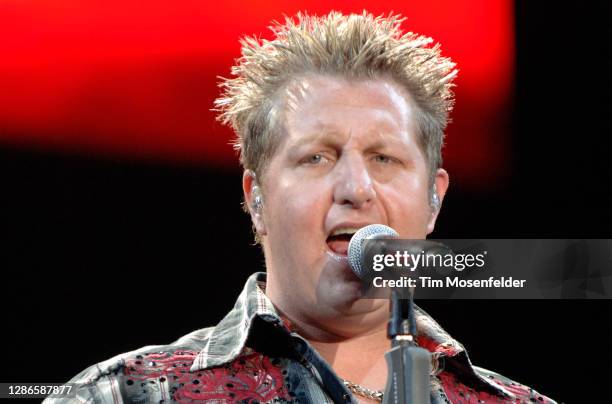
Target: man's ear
{"type": "Point", "coordinates": [253, 199]}
{"type": "Point", "coordinates": [440, 186]}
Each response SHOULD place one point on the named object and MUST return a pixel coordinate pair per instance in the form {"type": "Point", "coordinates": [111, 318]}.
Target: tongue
{"type": "Point", "coordinates": [338, 246]}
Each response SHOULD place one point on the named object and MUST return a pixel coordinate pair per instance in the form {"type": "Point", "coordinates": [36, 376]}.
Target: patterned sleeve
{"type": "Point", "coordinates": [98, 384]}
{"type": "Point", "coordinates": [85, 390]}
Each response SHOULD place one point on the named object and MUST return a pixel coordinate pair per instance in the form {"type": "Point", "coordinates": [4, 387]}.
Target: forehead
{"type": "Point", "coordinates": [327, 104]}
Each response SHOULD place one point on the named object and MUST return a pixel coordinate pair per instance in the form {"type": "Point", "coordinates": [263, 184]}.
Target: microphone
{"type": "Point", "coordinates": [355, 249]}
{"type": "Point", "coordinates": [408, 365]}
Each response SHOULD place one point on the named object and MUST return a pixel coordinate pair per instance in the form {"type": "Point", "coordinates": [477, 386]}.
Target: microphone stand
{"type": "Point", "coordinates": [408, 365]}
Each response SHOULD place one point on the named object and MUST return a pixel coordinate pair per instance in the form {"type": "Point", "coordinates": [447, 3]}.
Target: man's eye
{"type": "Point", "coordinates": [381, 158]}
{"type": "Point", "coordinates": [314, 159]}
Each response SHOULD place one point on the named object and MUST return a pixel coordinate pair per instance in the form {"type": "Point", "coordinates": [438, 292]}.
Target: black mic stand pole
{"type": "Point", "coordinates": [408, 365]}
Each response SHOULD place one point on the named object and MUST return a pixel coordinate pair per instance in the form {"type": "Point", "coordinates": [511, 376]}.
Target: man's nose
{"type": "Point", "coordinates": [354, 185]}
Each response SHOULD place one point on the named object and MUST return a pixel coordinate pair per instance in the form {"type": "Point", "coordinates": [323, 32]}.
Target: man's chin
{"type": "Point", "coordinates": [338, 288]}
{"type": "Point", "coordinates": [337, 265]}
{"type": "Point", "coordinates": [343, 312]}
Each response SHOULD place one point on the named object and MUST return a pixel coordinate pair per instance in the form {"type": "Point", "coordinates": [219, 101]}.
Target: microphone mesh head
{"type": "Point", "coordinates": [366, 233]}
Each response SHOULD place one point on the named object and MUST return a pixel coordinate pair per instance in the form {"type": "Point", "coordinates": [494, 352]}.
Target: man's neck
{"type": "Point", "coordinates": [358, 358]}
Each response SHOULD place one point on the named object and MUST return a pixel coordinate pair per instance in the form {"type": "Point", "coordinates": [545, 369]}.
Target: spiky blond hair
{"type": "Point", "coordinates": [352, 46]}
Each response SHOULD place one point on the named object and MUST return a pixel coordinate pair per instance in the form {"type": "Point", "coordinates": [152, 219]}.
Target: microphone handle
{"type": "Point", "coordinates": [408, 368]}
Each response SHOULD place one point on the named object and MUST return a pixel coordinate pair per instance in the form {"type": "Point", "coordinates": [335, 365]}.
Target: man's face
{"type": "Point", "coordinates": [349, 157]}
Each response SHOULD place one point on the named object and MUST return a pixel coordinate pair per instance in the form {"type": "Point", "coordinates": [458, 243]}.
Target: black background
{"type": "Point", "coordinates": [101, 256]}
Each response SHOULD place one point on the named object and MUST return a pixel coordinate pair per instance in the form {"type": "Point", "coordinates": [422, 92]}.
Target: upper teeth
{"type": "Point", "coordinates": [345, 230]}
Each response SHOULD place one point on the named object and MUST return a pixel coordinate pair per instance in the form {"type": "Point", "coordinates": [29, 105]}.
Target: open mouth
{"type": "Point", "coordinates": [339, 240]}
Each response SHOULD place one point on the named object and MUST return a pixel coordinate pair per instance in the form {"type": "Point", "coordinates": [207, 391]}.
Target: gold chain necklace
{"type": "Point", "coordinates": [362, 391]}
{"type": "Point", "coordinates": [377, 395]}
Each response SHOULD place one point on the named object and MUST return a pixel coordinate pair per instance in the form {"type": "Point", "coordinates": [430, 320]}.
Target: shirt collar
{"type": "Point", "coordinates": [227, 340]}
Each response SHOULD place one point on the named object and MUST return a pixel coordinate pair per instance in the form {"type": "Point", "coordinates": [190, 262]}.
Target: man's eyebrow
{"type": "Point", "coordinates": [381, 139]}
{"type": "Point", "coordinates": [319, 134]}
{"type": "Point", "coordinates": [391, 145]}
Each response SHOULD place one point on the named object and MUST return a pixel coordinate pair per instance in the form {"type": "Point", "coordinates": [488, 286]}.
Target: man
{"type": "Point", "coordinates": [340, 124]}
